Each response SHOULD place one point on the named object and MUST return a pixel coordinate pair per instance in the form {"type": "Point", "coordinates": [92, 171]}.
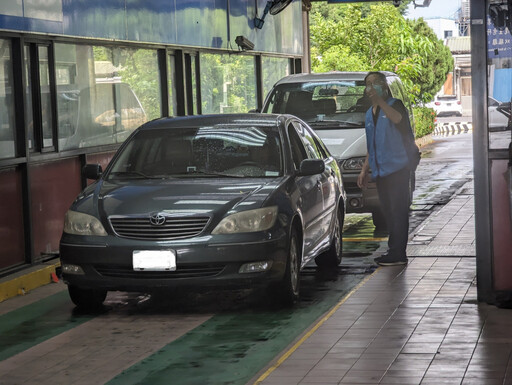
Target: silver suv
{"type": "Point", "coordinates": [334, 105]}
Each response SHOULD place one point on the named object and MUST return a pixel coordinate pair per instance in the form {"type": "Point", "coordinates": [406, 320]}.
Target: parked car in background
{"type": "Point", "coordinates": [446, 105]}
{"type": "Point", "coordinates": [218, 200]}
{"type": "Point", "coordinates": [498, 114]}
{"type": "Point", "coordinates": [334, 105]}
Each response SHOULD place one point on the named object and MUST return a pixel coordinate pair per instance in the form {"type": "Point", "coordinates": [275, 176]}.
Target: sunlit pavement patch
{"type": "Point", "coordinates": [232, 347]}
{"type": "Point", "coordinates": [30, 325]}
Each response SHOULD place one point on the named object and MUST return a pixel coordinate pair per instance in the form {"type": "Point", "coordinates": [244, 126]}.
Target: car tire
{"type": "Point", "coordinates": [289, 287]}
{"type": "Point", "coordinates": [87, 299]}
{"type": "Point", "coordinates": [333, 256]}
{"type": "Point", "coordinates": [379, 220]}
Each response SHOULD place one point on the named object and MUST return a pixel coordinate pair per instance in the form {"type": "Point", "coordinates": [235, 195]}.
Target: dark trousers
{"type": "Point", "coordinates": [394, 198]}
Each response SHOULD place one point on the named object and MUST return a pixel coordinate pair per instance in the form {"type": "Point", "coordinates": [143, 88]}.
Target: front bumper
{"type": "Point", "coordinates": [199, 262]}
{"type": "Point", "coordinates": [358, 200]}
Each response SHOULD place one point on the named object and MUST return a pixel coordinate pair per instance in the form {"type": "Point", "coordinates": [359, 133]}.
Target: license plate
{"type": "Point", "coordinates": [154, 260]}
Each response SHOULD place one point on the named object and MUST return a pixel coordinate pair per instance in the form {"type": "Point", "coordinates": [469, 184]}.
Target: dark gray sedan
{"type": "Point", "coordinates": [220, 200]}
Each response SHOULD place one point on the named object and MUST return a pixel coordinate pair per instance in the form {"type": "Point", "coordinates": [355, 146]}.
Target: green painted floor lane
{"type": "Point", "coordinates": [232, 348]}
{"type": "Point", "coordinates": [32, 324]}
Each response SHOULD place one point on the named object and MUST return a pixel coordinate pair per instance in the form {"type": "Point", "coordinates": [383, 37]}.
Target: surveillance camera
{"type": "Point", "coordinates": [397, 3]}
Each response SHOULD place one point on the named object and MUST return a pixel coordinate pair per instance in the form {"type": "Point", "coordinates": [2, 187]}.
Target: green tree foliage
{"type": "Point", "coordinates": [364, 37]}
{"type": "Point", "coordinates": [227, 83]}
{"type": "Point", "coordinates": [439, 63]}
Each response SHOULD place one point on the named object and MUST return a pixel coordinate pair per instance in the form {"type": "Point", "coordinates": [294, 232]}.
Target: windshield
{"type": "Point", "coordinates": [331, 103]}
{"type": "Point", "coordinates": [226, 151]}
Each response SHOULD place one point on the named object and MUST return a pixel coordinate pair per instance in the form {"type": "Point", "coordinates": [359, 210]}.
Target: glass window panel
{"type": "Point", "coordinates": [173, 107]}
{"type": "Point", "coordinates": [273, 69]}
{"type": "Point", "coordinates": [228, 83]}
{"type": "Point", "coordinates": [29, 113]}
{"type": "Point", "coordinates": [46, 103]}
{"type": "Point", "coordinates": [194, 83]}
{"type": "Point", "coordinates": [138, 69]}
{"type": "Point", "coordinates": [104, 93]}
{"type": "Point", "coordinates": [499, 69]}
{"type": "Point", "coordinates": [7, 129]}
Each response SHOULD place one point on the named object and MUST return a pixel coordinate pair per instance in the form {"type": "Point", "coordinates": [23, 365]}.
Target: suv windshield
{"type": "Point", "coordinates": [200, 152]}
{"type": "Point", "coordinates": [331, 103]}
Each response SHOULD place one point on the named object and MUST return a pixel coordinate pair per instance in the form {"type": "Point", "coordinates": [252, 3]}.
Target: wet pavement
{"type": "Point", "coordinates": [359, 324]}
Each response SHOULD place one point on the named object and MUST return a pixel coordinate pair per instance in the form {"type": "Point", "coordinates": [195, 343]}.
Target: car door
{"type": "Point", "coordinates": [309, 200]}
{"type": "Point", "coordinates": [326, 182]}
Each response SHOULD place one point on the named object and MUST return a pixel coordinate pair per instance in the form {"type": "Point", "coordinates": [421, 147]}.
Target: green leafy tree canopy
{"type": "Point", "coordinates": [377, 37]}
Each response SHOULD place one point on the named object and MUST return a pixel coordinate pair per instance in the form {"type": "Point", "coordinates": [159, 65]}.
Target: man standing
{"type": "Point", "coordinates": [387, 129]}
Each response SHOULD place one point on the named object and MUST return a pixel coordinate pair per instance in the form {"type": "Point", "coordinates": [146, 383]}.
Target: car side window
{"type": "Point", "coordinates": [310, 143]}
{"type": "Point", "coordinates": [321, 149]}
{"type": "Point", "coordinates": [297, 147]}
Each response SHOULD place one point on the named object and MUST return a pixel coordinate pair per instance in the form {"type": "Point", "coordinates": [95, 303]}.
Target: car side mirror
{"type": "Point", "coordinates": [311, 167]}
{"type": "Point", "coordinates": [255, 110]}
{"type": "Point", "coordinates": [92, 171]}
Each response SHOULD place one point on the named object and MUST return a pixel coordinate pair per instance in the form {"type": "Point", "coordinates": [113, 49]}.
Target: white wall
{"type": "Point", "coordinates": [440, 25]}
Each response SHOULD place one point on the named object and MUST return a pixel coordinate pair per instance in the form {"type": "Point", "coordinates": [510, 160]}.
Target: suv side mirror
{"type": "Point", "coordinates": [255, 110]}
{"type": "Point", "coordinates": [92, 171]}
{"type": "Point", "coordinates": [311, 167]}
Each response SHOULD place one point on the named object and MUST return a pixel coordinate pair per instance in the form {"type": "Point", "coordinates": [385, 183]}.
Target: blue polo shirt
{"type": "Point", "coordinates": [384, 141]}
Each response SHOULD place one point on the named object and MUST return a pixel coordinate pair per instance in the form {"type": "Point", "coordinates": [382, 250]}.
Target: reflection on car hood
{"type": "Point", "coordinates": [181, 196]}
{"type": "Point", "coordinates": [344, 143]}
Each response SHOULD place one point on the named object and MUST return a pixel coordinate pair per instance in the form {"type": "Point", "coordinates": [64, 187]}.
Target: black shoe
{"type": "Point", "coordinates": [389, 260]}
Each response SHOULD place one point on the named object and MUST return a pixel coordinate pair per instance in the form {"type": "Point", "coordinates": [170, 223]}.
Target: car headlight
{"type": "Point", "coordinates": [82, 224]}
{"type": "Point", "coordinates": [248, 221]}
{"type": "Point", "coordinates": [354, 164]}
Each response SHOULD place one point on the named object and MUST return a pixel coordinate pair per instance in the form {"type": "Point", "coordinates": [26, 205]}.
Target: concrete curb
{"type": "Point", "coordinates": [453, 128]}
{"type": "Point", "coordinates": [28, 279]}
{"type": "Point", "coordinates": [424, 140]}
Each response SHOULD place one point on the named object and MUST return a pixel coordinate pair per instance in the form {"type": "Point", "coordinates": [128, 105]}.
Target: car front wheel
{"type": "Point", "coordinates": [332, 257]}
{"type": "Point", "coordinates": [289, 287]}
{"type": "Point", "coordinates": [87, 299]}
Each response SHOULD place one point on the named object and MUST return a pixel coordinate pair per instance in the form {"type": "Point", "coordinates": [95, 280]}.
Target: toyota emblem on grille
{"type": "Point", "coordinates": [157, 219]}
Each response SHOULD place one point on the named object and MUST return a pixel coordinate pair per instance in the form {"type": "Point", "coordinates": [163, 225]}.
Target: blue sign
{"type": "Point", "coordinates": [499, 41]}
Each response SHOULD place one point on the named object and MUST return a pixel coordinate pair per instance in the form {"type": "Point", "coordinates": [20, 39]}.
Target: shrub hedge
{"type": "Point", "coordinates": [424, 119]}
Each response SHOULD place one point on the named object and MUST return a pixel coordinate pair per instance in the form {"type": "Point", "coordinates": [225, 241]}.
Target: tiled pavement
{"type": "Point", "coordinates": [415, 325]}
{"type": "Point", "coordinates": [449, 231]}
{"type": "Point", "coordinates": [419, 324]}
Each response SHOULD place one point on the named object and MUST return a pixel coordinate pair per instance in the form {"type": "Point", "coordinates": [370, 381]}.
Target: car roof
{"type": "Point", "coordinates": [327, 76]}
{"type": "Point", "coordinates": [245, 119]}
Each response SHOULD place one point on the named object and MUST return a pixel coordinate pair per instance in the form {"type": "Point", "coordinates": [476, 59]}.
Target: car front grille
{"type": "Point", "coordinates": [172, 228]}
{"type": "Point", "coordinates": [196, 271]}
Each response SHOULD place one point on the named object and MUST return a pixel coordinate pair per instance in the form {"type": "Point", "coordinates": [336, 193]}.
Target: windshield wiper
{"type": "Point", "coordinates": [129, 174]}
{"type": "Point", "coordinates": [207, 173]}
{"type": "Point", "coordinates": [338, 123]}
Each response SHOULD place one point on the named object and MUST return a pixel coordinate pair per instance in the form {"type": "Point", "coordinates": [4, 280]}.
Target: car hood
{"type": "Point", "coordinates": [176, 196]}
{"type": "Point", "coordinates": [344, 143]}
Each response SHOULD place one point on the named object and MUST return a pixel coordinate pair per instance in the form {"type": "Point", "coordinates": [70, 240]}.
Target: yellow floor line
{"type": "Point", "coordinates": [365, 239]}
{"type": "Point", "coordinates": [285, 356]}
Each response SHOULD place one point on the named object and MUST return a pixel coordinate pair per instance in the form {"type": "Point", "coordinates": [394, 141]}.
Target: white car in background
{"type": "Point", "coordinates": [334, 105]}
{"type": "Point", "coordinates": [446, 105]}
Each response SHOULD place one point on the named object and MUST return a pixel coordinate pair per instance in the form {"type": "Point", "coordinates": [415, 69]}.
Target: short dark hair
{"type": "Point", "coordinates": [382, 78]}
{"type": "Point", "coordinates": [377, 74]}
